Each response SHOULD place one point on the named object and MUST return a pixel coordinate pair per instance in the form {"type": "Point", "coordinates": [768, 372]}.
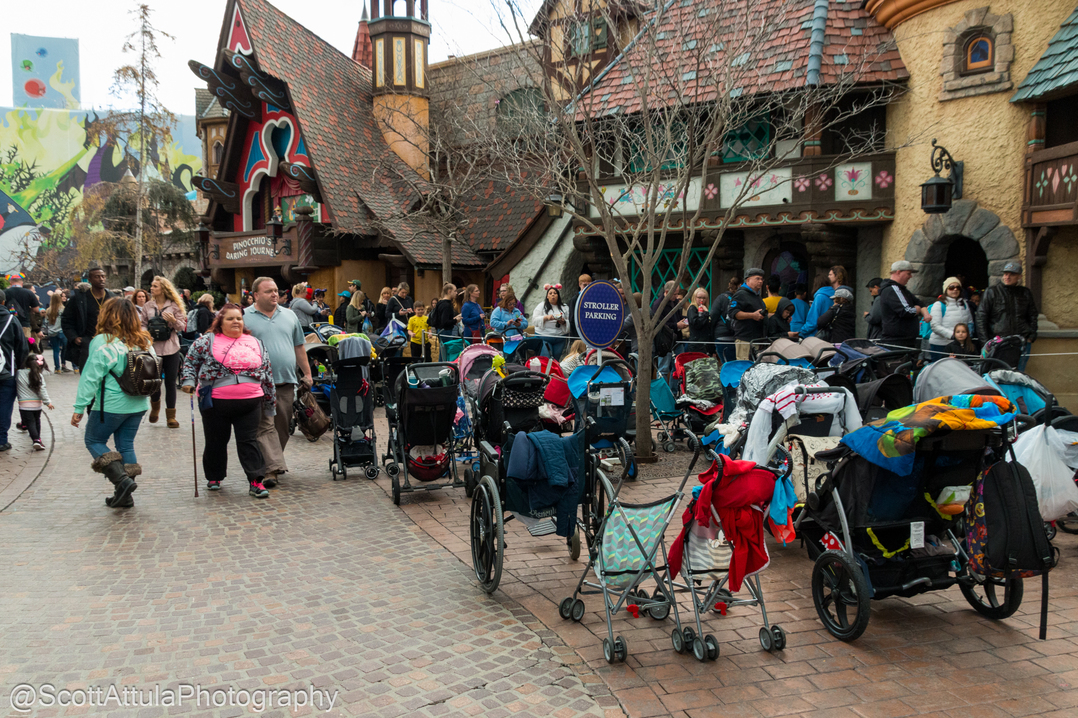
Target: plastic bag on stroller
{"type": "Point", "coordinates": [1057, 494]}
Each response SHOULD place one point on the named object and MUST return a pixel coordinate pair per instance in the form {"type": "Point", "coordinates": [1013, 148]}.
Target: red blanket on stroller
{"type": "Point", "coordinates": [739, 495]}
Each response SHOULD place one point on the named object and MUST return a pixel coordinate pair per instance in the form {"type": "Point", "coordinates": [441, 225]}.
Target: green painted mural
{"type": "Point", "coordinates": [49, 158]}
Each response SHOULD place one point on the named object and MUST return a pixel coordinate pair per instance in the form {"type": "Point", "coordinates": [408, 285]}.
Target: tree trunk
{"type": "Point", "coordinates": [644, 449]}
{"type": "Point", "coordinates": [447, 260]}
{"type": "Point", "coordinates": [138, 234]}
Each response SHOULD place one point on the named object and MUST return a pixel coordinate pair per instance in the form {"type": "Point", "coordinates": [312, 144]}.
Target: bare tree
{"type": "Point", "coordinates": [150, 126]}
{"type": "Point", "coordinates": [627, 149]}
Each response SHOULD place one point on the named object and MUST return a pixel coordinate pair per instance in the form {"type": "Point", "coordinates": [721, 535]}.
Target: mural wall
{"type": "Point", "coordinates": [49, 158]}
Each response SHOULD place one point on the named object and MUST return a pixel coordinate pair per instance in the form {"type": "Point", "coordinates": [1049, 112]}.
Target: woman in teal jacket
{"type": "Point", "coordinates": [118, 416]}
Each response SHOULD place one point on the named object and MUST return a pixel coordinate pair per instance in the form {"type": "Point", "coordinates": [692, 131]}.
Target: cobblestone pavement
{"type": "Point", "coordinates": [324, 584]}
{"type": "Point", "coordinates": [928, 655]}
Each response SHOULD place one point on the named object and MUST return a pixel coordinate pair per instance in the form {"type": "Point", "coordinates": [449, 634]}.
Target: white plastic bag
{"type": "Point", "coordinates": [1057, 494]}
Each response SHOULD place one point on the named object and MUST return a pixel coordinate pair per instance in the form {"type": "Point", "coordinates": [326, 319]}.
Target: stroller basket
{"type": "Point", "coordinates": [428, 468]}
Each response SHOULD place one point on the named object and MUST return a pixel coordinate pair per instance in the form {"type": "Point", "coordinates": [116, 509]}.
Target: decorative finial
{"type": "Point", "coordinates": [364, 17]}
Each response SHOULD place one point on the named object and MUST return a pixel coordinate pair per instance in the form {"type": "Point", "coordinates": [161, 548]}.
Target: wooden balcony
{"type": "Point", "coordinates": [1050, 198]}
{"type": "Point", "coordinates": [794, 192]}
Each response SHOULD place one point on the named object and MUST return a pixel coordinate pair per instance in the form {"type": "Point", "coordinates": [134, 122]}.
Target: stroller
{"type": "Point", "coordinates": [731, 503]}
{"type": "Point", "coordinates": [950, 376]}
{"type": "Point", "coordinates": [809, 352]}
{"type": "Point", "coordinates": [322, 331]}
{"type": "Point", "coordinates": [863, 360]}
{"type": "Point", "coordinates": [421, 414]}
{"type": "Point", "coordinates": [1029, 395]}
{"type": "Point", "coordinates": [385, 348]}
{"type": "Point", "coordinates": [474, 362]}
{"type": "Point", "coordinates": [884, 522]}
{"type": "Point", "coordinates": [352, 404]}
{"type": "Point", "coordinates": [699, 410]}
{"type": "Point", "coordinates": [321, 358]}
{"type": "Point", "coordinates": [1005, 350]}
{"type": "Point", "coordinates": [556, 412]}
{"type": "Point", "coordinates": [629, 549]}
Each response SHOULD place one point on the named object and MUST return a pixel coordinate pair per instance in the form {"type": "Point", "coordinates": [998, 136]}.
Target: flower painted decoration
{"type": "Point", "coordinates": [852, 175]}
{"type": "Point", "coordinates": [802, 183]}
{"type": "Point", "coordinates": [884, 179]}
{"type": "Point", "coordinates": [823, 182]}
{"type": "Point", "coordinates": [710, 191]}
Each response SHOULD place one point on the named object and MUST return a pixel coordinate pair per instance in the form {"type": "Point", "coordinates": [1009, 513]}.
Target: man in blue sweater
{"type": "Point", "coordinates": [823, 299]}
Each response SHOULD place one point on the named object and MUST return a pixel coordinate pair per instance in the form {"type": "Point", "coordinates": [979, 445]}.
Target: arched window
{"type": "Point", "coordinates": [979, 54]}
{"type": "Point", "coordinates": [218, 152]}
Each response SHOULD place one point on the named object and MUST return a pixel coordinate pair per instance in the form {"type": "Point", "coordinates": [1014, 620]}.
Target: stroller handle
{"type": "Point", "coordinates": [613, 363]}
{"type": "Point", "coordinates": [803, 390]}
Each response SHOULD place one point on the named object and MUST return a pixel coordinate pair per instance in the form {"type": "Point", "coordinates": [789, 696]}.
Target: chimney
{"type": "Point", "coordinates": [362, 52]}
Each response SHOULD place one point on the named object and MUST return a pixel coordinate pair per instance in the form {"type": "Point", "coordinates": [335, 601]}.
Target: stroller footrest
{"type": "Point", "coordinates": [543, 528]}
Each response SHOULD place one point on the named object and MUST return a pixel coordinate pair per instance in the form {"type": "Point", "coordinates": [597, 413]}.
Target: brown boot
{"type": "Point", "coordinates": [155, 411]}
{"type": "Point", "coordinates": [170, 417]}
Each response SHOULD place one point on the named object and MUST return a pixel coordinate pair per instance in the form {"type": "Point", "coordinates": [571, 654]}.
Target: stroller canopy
{"type": "Point", "coordinates": [1028, 394]}
{"type": "Point", "coordinates": [840, 404]}
{"type": "Point", "coordinates": [949, 376]}
{"type": "Point", "coordinates": [471, 354]}
{"type": "Point", "coordinates": [761, 381]}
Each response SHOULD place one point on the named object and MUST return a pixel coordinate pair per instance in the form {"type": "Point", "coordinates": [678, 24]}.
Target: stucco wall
{"type": "Point", "coordinates": [1060, 279]}
{"type": "Point", "coordinates": [986, 132]}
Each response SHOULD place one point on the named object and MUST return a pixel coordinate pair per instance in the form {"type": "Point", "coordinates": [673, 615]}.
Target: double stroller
{"type": "Point", "coordinates": [894, 514]}
{"type": "Point", "coordinates": [421, 408]}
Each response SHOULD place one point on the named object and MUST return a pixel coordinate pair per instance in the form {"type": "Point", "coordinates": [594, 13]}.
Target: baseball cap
{"type": "Point", "coordinates": [754, 272]}
{"type": "Point", "coordinates": [874, 282]}
{"type": "Point", "coordinates": [1013, 267]}
{"type": "Point", "coordinates": [902, 266]}
{"type": "Point", "coordinates": [357, 283]}
{"type": "Point", "coordinates": [346, 294]}
{"type": "Point", "coordinates": [843, 293]}
{"type": "Point", "coordinates": [129, 289]}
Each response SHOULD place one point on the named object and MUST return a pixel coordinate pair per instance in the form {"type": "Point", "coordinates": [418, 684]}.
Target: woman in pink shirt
{"type": "Point", "coordinates": [235, 388]}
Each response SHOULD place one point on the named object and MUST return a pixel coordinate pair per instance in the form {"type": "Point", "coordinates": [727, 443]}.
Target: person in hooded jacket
{"type": "Point", "coordinates": [821, 301]}
{"type": "Point", "coordinates": [801, 308]}
{"type": "Point", "coordinates": [839, 321]}
{"type": "Point", "coordinates": [898, 310]}
{"type": "Point", "coordinates": [778, 324]}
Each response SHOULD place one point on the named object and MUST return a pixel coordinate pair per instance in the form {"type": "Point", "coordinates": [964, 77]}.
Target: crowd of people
{"type": "Point", "coordinates": [246, 361]}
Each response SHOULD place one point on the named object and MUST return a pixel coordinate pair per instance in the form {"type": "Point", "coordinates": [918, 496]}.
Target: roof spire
{"type": "Point", "coordinates": [362, 51]}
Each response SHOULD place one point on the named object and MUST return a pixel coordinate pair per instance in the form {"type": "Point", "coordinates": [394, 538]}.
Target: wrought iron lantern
{"type": "Point", "coordinates": [555, 204]}
{"type": "Point", "coordinates": [938, 192]}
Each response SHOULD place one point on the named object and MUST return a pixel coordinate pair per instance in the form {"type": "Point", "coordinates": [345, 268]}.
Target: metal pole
{"type": "Point", "coordinates": [194, 451]}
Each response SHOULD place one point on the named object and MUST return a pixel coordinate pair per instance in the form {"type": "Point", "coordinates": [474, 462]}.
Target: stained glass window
{"type": "Point", "coordinates": [979, 53]}
{"type": "Point", "coordinates": [751, 141]}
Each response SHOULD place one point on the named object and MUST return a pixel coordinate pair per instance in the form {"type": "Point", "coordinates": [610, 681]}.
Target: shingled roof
{"type": "Point", "coordinates": [1056, 73]}
{"type": "Point", "coordinates": [332, 100]}
{"type": "Point", "coordinates": [814, 42]}
{"type": "Point", "coordinates": [499, 214]}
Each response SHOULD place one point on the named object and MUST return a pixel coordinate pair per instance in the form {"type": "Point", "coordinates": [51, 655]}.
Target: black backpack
{"type": "Point", "coordinates": [665, 340]}
{"type": "Point", "coordinates": [1006, 535]}
{"type": "Point", "coordinates": [141, 376]}
{"type": "Point", "coordinates": [158, 328]}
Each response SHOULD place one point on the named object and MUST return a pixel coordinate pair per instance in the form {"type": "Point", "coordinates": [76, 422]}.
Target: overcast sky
{"type": "Point", "coordinates": [460, 27]}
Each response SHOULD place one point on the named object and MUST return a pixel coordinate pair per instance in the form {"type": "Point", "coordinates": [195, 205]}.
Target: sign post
{"type": "Point", "coordinates": [600, 312]}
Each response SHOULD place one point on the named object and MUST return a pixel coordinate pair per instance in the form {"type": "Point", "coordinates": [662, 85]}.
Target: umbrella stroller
{"type": "Point", "coordinates": [725, 517]}
{"type": "Point", "coordinates": [630, 550]}
{"type": "Point", "coordinates": [352, 404]}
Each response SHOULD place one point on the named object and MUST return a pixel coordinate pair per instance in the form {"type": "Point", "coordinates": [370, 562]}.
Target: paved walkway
{"type": "Point", "coordinates": [324, 586]}
{"type": "Point", "coordinates": [929, 655]}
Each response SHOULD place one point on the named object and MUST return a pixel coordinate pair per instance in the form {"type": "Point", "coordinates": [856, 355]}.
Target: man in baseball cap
{"type": "Point", "coordinates": [900, 312]}
{"type": "Point", "coordinates": [748, 312]}
{"type": "Point", "coordinates": [1009, 309]}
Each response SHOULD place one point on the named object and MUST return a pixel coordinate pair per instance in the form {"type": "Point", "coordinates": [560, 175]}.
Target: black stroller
{"type": "Point", "coordinates": [421, 414]}
{"type": "Point", "coordinates": [352, 405]}
{"type": "Point", "coordinates": [875, 533]}
{"type": "Point", "coordinates": [385, 348]}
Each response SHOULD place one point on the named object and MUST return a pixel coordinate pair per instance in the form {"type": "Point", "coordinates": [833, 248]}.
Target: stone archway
{"type": "Point", "coordinates": [927, 248]}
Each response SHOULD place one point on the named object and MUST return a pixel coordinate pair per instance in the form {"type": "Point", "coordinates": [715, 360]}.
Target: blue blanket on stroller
{"type": "Point", "coordinates": [543, 470]}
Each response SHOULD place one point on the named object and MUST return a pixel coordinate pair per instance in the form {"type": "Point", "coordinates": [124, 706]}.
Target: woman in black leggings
{"type": "Point", "coordinates": [164, 317]}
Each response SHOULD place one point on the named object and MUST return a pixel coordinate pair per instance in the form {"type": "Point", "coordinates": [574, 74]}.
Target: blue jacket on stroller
{"type": "Point", "coordinates": [543, 471]}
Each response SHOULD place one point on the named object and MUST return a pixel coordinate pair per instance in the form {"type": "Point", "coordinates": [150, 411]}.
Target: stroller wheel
{"type": "Point", "coordinates": [699, 650]}
{"type": "Point", "coordinates": [292, 423]}
{"type": "Point", "coordinates": [662, 437]}
{"type": "Point", "coordinates": [678, 639]}
{"type": "Point", "coordinates": [689, 635]}
{"type": "Point", "coordinates": [712, 645]}
{"type": "Point", "coordinates": [1069, 524]}
{"type": "Point", "coordinates": [565, 608]}
{"type": "Point", "coordinates": [839, 589]}
{"type": "Point", "coordinates": [469, 482]}
{"type": "Point", "coordinates": [996, 598]}
{"type": "Point", "coordinates": [371, 472]}
{"type": "Point", "coordinates": [1050, 529]}
{"type": "Point", "coordinates": [577, 612]}
{"type": "Point", "coordinates": [396, 490]}
{"type": "Point", "coordinates": [669, 447]}
{"type": "Point", "coordinates": [574, 546]}
{"type": "Point", "coordinates": [393, 469]}
{"type": "Point", "coordinates": [780, 637]}
{"type": "Point", "coordinates": [621, 649]}
{"type": "Point", "coordinates": [344, 473]}
{"type": "Point", "coordinates": [767, 641]}
{"type": "Point", "coordinates": [608, 650]}
{"type": "Point", "coordinates": [659, 612]}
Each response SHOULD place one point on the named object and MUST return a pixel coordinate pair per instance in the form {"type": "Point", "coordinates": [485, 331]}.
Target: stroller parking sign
{"type": "Point", "coordinates": [600, 312]}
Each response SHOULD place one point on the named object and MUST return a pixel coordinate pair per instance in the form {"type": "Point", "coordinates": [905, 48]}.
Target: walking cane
{"type": "Point", "coordinates": [194, 451]}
